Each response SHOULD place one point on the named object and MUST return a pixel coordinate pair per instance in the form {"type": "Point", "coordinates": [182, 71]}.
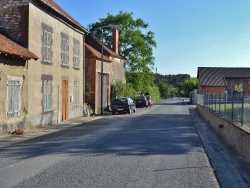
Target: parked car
{"type": "Point", "coordinates": [150, 100]}
{"type": "Point", "coordinates": [123, 105]}
{"type": "Point", "coordinates": [141, 101]}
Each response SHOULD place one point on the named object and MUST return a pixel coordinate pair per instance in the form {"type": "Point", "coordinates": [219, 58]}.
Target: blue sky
{"type": "Point", "coordinates": [189, 33]}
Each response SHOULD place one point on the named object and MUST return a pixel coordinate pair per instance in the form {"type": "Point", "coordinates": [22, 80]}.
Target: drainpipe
{"type": "Point", "coordinates": [83, 78]}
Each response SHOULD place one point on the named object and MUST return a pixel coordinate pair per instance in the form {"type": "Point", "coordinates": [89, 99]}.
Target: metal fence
{"type": "Point", "coordinates": [236, 107]}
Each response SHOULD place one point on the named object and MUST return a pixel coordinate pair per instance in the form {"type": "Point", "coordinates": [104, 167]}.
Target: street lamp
{"type": "Point", "coordinates": [101, 29]}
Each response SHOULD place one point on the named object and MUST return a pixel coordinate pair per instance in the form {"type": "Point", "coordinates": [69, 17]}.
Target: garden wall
{"type": "Point", "coordinates": [236, 135]}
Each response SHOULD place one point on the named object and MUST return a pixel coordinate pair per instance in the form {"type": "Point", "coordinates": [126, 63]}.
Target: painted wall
{"type": "Point", "coordinates": [12, 68]}
{"type": "Point", "coordinates": [37, 18]}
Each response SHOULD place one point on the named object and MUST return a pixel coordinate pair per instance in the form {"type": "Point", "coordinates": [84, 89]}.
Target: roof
{"type": "Point", "coordinates": [9, 47]}
{"type": "Point", "coordinates": [91, 40]}
{"type": "Point", "coordinates": [62, 14]}
{"type": "Point", "coordinates": [95, 53]}
{"type": "Point", "coordinates": [215, 76]}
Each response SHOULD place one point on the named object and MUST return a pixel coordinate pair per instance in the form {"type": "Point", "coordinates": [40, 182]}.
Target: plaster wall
{"type": "Point", "coordinates": [12, 68]}
{"type": "Point", "coordinates": [58, 73]}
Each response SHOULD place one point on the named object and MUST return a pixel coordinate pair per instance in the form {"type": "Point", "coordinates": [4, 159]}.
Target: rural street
{"type": "Point", "coordinates": [158, 146]}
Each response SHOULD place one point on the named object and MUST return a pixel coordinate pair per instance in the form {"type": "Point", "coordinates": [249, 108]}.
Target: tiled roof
{"type": "Point", "coordinates": [215, 76]}
{"type": "Point", "coordinates": [61, 12]}
{"type": "Point", "coordinates": [95, 53]}
{"type": "Point", "coordinates": [97, 45]}
{"type": "Point", "coordinates": [8, 47]}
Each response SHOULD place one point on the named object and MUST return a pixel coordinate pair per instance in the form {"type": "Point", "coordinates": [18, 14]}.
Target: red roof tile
{"type": "Point", "coordinates": [95, 53]}
{"type": "Point", "coordinates": [8, 47]}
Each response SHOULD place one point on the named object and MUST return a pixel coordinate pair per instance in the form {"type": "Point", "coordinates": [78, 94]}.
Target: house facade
{"type": "Point", "coordinates": [113, 71]}
{"type": "Point", "coordinates": [55, 83]}
{"type": "Point", "coordinates": [13, 84]}
{"type": "Point", "coordinates": [222, 79]}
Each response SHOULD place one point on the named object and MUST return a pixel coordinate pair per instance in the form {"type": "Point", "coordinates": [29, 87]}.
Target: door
{"type": "Point", "coordinates": [65, 100]}
{"type": "Point", "coordinates": [103, 95]}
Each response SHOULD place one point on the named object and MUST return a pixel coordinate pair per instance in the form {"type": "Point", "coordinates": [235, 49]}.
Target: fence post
{"type": "Point", "coordinates": [219, 101]}
{"type": "Point", "coordinates": [242, 109]}
{"type": "Point", "coordinates": [232, 118]}
{"type": "Point", "coordinates": [225, 103]}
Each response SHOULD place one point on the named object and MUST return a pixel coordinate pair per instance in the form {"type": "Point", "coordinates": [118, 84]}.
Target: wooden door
{"type": "Point", "coordinates": [65, 100]}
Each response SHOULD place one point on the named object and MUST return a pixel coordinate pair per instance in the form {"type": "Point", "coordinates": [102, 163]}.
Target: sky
{"type": "Point", "coordinates": [189, 33]}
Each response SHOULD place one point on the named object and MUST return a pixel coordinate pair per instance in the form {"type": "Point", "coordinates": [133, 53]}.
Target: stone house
{"type": "Point", "coordinates": [55, 90]}
{"type": "Point", "coordinates": [222, 79]}
{"type": "Point", "coordinates": [13, 84]}
{"type": "Point", "coordinates": [113, 70]}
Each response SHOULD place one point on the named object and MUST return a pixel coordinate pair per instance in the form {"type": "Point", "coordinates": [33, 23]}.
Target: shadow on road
{"type": "Point", "coordinates": [148, 134]}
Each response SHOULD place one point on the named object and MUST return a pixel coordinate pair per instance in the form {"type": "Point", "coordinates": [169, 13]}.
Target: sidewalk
{"type": "Point", "coordinates": [30, 133]}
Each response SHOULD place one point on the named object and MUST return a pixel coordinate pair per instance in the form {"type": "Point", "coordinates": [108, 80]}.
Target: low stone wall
{"type": "Point", "coordinates": [236, 135]}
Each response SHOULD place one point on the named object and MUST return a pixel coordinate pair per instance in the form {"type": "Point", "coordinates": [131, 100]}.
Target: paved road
{"type": "Point", "coordinates": [154, 147]}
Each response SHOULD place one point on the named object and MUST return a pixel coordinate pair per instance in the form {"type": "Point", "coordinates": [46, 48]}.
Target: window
{"type": "Point", "coordinates": [65, 51]}
{"type": "Point", "coordinates": [14, 99]}
{"type": "Point", "coordinates": [47, 95]}
{"type": "Point", "coordinates": [76, 51]}
{"type": "Point", "coordinates": [76, 94]}
{"type": "Point", "coordinates": [47, 37]}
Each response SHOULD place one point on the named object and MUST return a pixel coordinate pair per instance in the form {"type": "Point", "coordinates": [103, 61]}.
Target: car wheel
{"type": "Point", "coordinates": [113, 112]}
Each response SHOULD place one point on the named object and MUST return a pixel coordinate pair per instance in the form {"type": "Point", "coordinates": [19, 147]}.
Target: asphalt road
{"type": "Point", "coordinates": [154, 147]}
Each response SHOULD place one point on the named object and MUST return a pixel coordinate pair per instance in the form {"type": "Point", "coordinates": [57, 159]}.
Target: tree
{"type": "Point", "coordinates": [190, 85]}
{"type": "Point", "coordinates": [135, 42]}
{"type": "Point", "coordinates": [238, 88]}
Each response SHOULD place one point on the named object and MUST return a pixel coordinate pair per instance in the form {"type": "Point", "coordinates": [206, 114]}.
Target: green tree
{"type": "Point", "coordinates": [190, 85]}
{"type": "Point", "coordinates": [135, 42]}
{"type": "Point", "coordinates": [163, 88]}
{"type": "Point", "coordinates": [238, 88]}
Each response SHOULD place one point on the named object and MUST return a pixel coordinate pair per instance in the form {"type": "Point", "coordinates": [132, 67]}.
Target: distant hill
{"type": "Point", "coordinates": [173, 80]}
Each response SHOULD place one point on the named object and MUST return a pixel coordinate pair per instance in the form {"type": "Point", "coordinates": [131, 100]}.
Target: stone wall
{"type": "Point", "coordinates": [236, 135]}
{"type": "Point", "coordinates": [14, 17]}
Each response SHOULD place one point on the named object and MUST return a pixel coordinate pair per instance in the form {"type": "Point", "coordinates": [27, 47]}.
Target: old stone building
{"type": "Point", "coordinates": [13, 84]}
{"type": "Point", "coordinates": [113, 71]}
{"type": "Point", "coordinates": [55, 83]}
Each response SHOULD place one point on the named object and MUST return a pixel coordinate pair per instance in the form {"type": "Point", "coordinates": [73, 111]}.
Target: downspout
{"type": "Point", "coordinates": [85, 110]}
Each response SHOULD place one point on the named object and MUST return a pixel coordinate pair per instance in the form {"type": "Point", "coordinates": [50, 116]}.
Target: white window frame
{"type": "Point", "coordinates": [76, 56]}
{"type": "Point", "coordinates": [47, 46]}
{"type": "Point", "coordinates": [65, 51]}
{"type": "Point", "coordinates": [14, 97]}
{"type": "Point", "coordinates": [47, 95]}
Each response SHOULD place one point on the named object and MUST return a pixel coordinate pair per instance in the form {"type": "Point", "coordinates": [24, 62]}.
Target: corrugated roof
{"type": "Point", "coordinates": [97, 45]}
{"type": "Point", "coordinates": [58, 9]}
{"type": "Point", "coordinates": [95, 53]}
{"type": "Point", "coordinates": [215, 76]}
{"type": "Point", "coordinates": [9, 47]}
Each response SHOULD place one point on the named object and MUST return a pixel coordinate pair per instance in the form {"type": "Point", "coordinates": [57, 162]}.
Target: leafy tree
{"type": "Point", "coordinates": [190, 85]}
{"type": "Point", "coordinates": [135, 42]}
{"type": "Point", "coordinates": [238, 88]}
{"type": "Point", "coordinates": [163, 88]}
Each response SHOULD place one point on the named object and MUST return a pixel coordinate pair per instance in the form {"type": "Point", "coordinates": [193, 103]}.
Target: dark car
{"type": "Point", "coordinates": [141, 101]}
{"type": "Point", "coordinates": [123, 105]}
{"type": "Point", "coordinates": [150, 100]}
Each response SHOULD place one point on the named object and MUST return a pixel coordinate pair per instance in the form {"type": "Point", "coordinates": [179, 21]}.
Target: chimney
{"type": "Point", "coordinates": [115, 41]}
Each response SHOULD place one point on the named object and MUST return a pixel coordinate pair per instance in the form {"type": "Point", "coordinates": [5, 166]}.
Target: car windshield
{"type": "Point", "coordinates": [120, 101]}
{"type": "Point", "coordinates": [140, 98]}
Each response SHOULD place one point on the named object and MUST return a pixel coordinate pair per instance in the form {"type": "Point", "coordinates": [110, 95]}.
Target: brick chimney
{"type": "Point", "coordinates": [115, 41]}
